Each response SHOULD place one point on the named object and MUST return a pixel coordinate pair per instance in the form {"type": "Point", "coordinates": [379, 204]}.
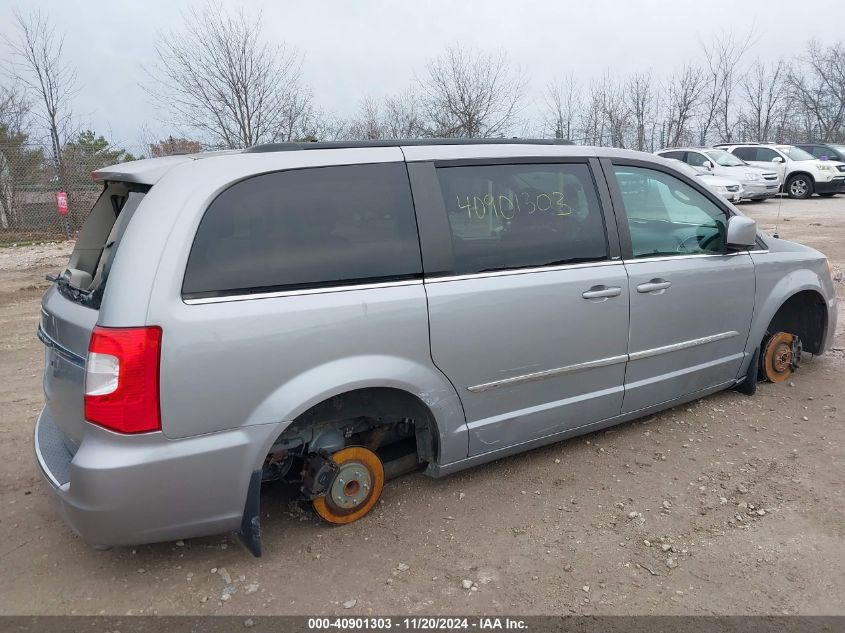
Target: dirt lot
{"type": "Point", "coordinates": [739, 501]}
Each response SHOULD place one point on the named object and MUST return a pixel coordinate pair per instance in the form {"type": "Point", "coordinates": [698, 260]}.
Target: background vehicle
{"type": "Point", "coordinates": [757, 183]}
{"type": "Point", "coordinates": [802, 173]}
{"type": "Point", "coordinates": [825, 151]}
{"type": "Point", "coordinates": [332, 314]}
{"type": "Point", "coordinates": [730, 190]}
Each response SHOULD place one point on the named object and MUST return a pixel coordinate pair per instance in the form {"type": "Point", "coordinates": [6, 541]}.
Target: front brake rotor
{"type": "Point", "coordinates": [781, 356]}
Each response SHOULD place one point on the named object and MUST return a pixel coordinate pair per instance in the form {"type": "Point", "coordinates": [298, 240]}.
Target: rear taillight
{"type": "Point", "coordinates": [122, 378]}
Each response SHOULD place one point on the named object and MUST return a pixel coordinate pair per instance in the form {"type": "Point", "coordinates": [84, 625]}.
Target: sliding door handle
{"type": "Point", "coordinates": [655, 286]}
{"type": "Point", "coordinates": [602, 292]}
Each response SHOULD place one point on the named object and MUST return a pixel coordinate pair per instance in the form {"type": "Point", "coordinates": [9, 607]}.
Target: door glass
{"type": "Point", "coordinates": [516, 216]}
{"type": "Point", "coordinates": [745, 153]}
{"type": "Point", "coordinates": [766, 154]}
{"type": "Point", "coordinates": [695, 159]}
{"type": "Point", "coordinates": [668, 217]}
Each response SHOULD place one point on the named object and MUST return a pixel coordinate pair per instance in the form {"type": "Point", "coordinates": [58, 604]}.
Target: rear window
{"type": "Point", "coordinates": [306, 228]}
{"type": "Point", "coordinates": [84, 280]}
{"type": "Point", "coordinates": [515, 216]}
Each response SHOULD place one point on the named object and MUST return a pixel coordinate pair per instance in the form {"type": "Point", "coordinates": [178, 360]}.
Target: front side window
{"type": "Point", "coordinates": [516, 216]}
{"type": "Point", "coordinates": [666, 216]}
{"type": "Point", "coordinates": [745, 153]}
{"type": "Point", "coordinates": [696, 160]}
{"type": "Point", "coordinates": [306, 228]}
{"type": "Point", "coordinates": [764, 154]}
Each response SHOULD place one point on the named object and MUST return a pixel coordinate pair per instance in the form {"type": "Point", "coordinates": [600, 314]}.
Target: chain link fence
{"type": "Point", "coordinates": [32, 207]}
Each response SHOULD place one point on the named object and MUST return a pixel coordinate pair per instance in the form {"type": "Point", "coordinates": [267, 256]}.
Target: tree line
{"type": "Point", "coordinates": [219, 82]}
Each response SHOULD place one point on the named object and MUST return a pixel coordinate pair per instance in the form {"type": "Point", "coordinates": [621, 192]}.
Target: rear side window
{"type": "Point", "coordinates": [515, 216]}
{"type": "Point", "coordinates": [675, 155]}
{"type": "Point", "coordinates": [306, 228]}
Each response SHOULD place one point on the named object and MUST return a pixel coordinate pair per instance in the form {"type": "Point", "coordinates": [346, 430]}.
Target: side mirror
{"type": "Point", "coordinates": [824, 157]}
{"type": "Point", "coordinates": [777, 159]}
{"type": "Point", "coordinates": [742, 231]}
{"type": "Point", "coordinates": [707, 165]}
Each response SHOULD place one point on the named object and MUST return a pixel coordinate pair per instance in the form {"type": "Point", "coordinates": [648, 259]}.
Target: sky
{"type": "Point", "coordinates": [354, 49]}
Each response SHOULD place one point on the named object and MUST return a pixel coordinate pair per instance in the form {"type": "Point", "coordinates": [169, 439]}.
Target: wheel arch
{"type": "Point", "coordinates": [803, 313]}
{"type": "Point", "coordinates": [355, 384]}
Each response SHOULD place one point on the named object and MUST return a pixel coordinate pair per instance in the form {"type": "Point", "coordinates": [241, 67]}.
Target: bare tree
{"type": "Point", "coordinates": [562, 106]}
{"type": "Point", "coordinates": [724, 55]}
{"type": "Point", "coordinates": [817, 83]}
{"type": "Point", "coordinates": [19, 161]}
{"type": "Point", "coordinates": [471, 94]}
{"type": "Point", "coordinates": [764, 89]}
{"type": "Point", "coordinates": [639, 93]}
{"type": "Point", "coordinates": [38, 56]}
{"type": "Point", "coordinates": [683, 94]}
{"type": "Point", "coordinates": [219, 77]}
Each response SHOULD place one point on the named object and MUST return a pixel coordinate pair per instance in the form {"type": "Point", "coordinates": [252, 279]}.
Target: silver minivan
{"type": "Point", "coordinates": [331, 315]}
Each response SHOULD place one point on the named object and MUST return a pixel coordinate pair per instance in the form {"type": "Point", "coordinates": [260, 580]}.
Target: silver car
{"type": "Point", "coordinates": [730, 190]}
{"type": "Point", "coordinates": [757, 183]}
{"type": "Point", "coordinates": [331, 315]}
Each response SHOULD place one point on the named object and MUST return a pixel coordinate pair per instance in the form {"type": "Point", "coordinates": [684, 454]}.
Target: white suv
{"type": "Point", "coordinates": [801, 173]}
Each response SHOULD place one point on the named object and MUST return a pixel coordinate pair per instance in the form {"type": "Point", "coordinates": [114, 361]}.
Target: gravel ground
{"type": "Point", "coordinates": [729, 505]}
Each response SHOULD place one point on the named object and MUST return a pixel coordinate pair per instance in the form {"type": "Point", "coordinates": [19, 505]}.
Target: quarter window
{"type": "Point", "coordinates": [666, 216]}
{"type": "Point", "coordinates": [515, 216]}
{"type": "Point", "coordinates": [306, 228]}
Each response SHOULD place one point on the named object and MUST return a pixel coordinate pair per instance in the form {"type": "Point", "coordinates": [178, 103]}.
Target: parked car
{"type": "Point", "coordinates": [802, 173]}
{"type": "Point", "coordinates": [730, 190]}
{"type": "Point", "coordinates": [331, 314]}
{"type": "Point", "coordinates": [757, 183]}
{"type": "Point", "coordinates": [825, 151]}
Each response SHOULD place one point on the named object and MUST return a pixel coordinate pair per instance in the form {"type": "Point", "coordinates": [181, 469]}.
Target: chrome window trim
{"type": "Point", "coordinates": [602, 362]}
{"type": "Point", "coordinates": [521, 271]}
{"type": "Point", "coordinates": [548, 373]}
{"type": "Point", "coordinates": [671, 258]}
{"type": "Point", "coordinates": [306, 291]}
{"type": "Point", "coordinates": [674, 347]}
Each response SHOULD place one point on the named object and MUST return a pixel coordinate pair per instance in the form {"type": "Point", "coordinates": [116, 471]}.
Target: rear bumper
{"type": "Point", "coordinates": [126, 490]}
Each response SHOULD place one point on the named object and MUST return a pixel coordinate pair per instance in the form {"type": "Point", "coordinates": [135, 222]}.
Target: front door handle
{"type": "Point", "coordinates": [656, 286]}
{"type": "Point", "coordinates": [602, 292]}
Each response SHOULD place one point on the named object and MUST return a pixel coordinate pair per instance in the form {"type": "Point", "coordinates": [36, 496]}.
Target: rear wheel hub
{"type": "Point", "coordinates": [356, 486]}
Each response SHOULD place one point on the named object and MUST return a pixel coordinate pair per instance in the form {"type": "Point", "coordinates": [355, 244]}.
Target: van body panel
{"type": "Point", "coordinates": [530, 329]}
{"type": "Point", "coordinates": [504, 360]}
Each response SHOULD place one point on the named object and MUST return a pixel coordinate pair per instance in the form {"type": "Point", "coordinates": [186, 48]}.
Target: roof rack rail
{"type": "Point", "coordinates": [295, 146]}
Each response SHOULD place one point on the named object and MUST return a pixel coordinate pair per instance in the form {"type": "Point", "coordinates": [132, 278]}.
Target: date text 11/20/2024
{"type": "Point", "coordinates": [415, 624]}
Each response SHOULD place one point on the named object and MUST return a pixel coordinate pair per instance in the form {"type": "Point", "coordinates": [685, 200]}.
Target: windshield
{"type": "Point", "coordinates": [796, 153]}
{"type": "Point", "coordinates": [725, 159]}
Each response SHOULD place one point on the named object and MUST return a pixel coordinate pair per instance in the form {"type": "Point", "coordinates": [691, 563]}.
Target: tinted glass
{"type": "Point", "coordinates": [306, 228]}
{"type": "Point", "coordinates": [516, 216]}
{"type": "Point", "coordinates": [696, 160]}
{"type": "Point", "coordinates": [766, 154]}
{"type": "Point", "coordinates": [675, 155]}
{"type": "Point", "coordinates": [746, 153]}
{"type": "Point", "coordinates": [666, 216]}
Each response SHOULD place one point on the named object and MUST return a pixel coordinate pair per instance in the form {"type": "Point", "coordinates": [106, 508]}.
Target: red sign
{"type": "Point", "coordinates": [61, 203]}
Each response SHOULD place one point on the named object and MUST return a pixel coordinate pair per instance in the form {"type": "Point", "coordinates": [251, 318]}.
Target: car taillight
{"type": "Point", "coordinates": [122, 379]}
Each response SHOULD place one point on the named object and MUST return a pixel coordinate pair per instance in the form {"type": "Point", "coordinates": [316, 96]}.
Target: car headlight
{"type": "Point", "coordinates": [823, 167]}
{"type": "Point", "coordinates": [750, 175]}
{"type": "Point", "coordinates": [721, 189]}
